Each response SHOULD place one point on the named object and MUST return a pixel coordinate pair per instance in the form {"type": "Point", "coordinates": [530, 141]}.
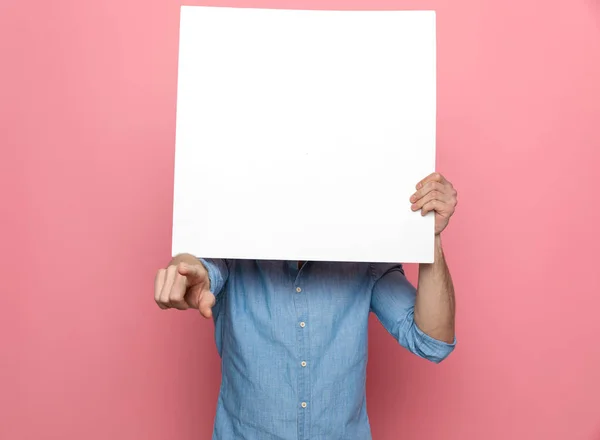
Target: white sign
{"type": "Point", "coordinates": [301, 134]}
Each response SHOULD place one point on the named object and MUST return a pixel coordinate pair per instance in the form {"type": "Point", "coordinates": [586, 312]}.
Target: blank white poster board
{"type": "Point", "coordinates": [301, 134]}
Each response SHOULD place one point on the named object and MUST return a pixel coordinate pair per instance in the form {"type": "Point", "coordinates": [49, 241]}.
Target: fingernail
{"type": "Point", "coordinates": [419, 185]}
{"type": "Point", "coordinates": [413, 207]}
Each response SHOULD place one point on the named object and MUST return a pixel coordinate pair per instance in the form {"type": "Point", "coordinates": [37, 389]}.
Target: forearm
{"type": "Point", "coordinates": [434, 306]}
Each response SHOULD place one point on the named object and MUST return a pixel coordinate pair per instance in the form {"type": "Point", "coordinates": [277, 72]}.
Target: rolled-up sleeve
{"type": "Point", "coordinates": [393, 302]}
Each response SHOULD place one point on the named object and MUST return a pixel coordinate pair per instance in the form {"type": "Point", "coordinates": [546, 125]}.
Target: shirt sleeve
{"type": "Point", "coordinates": [218, 272]}
{"type": "Point", "coordinates": [393, 302]}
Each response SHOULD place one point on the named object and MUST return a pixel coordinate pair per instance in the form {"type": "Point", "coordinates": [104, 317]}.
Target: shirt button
{"type": "Point", "coordinates": [298, 289]}
{"type": "Point", "coordinates": [303, 363]}
{"type": "Point", "coordinates": [303, 324]}
{"type": "Point", "coordinates": [303, 404]}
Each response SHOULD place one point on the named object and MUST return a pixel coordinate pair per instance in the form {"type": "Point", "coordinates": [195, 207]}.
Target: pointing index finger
{"type": "Point", "coordinates": [188, 269]}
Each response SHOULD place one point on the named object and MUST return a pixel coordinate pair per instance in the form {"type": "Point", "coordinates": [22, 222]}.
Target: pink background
{"type": "Point", "coordinates": [87, 119]}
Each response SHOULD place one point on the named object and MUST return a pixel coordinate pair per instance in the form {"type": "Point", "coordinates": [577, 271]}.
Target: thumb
{"type": "Point", "coordinates": [205, 304]}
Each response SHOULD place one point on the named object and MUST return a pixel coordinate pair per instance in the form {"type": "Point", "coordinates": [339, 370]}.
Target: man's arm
{"type": "Point", "coordinates": [434, 309]}
{"type": "Point", "coordinates": [422, 319]}
{"type": "Point", "coordinates": [434, 305]}
{"type": "Point", "coordinates": [218, 271]}
{"type": "Point", "coordinates": [191, 282]}
{"type": "Point", "coordinates": [394, 302]}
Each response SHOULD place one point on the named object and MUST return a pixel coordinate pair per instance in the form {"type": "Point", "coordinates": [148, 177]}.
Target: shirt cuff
{"type": "Point", "coordinates": [431, 348]}
{"type": "Point", "coordinates": [215, 269]}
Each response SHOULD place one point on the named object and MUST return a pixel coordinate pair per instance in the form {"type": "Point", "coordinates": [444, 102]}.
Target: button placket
{"type": "Point", "coordinates": [302, 334]}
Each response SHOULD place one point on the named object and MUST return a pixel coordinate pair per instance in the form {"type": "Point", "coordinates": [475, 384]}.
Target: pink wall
{"type": "Point", "coordinates": [87, 101]}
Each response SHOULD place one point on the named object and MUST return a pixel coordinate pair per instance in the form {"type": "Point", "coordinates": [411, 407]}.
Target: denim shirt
{"type": "Point", "coordinates": [293, 345]}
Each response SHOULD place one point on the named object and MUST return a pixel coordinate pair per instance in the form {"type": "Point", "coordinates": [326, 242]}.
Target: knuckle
{"type": "Point", "coordinates": [175, 296]}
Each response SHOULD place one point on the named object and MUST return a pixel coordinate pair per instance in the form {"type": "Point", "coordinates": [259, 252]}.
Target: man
{"type": "Point", "coordinates": [293, 335]}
